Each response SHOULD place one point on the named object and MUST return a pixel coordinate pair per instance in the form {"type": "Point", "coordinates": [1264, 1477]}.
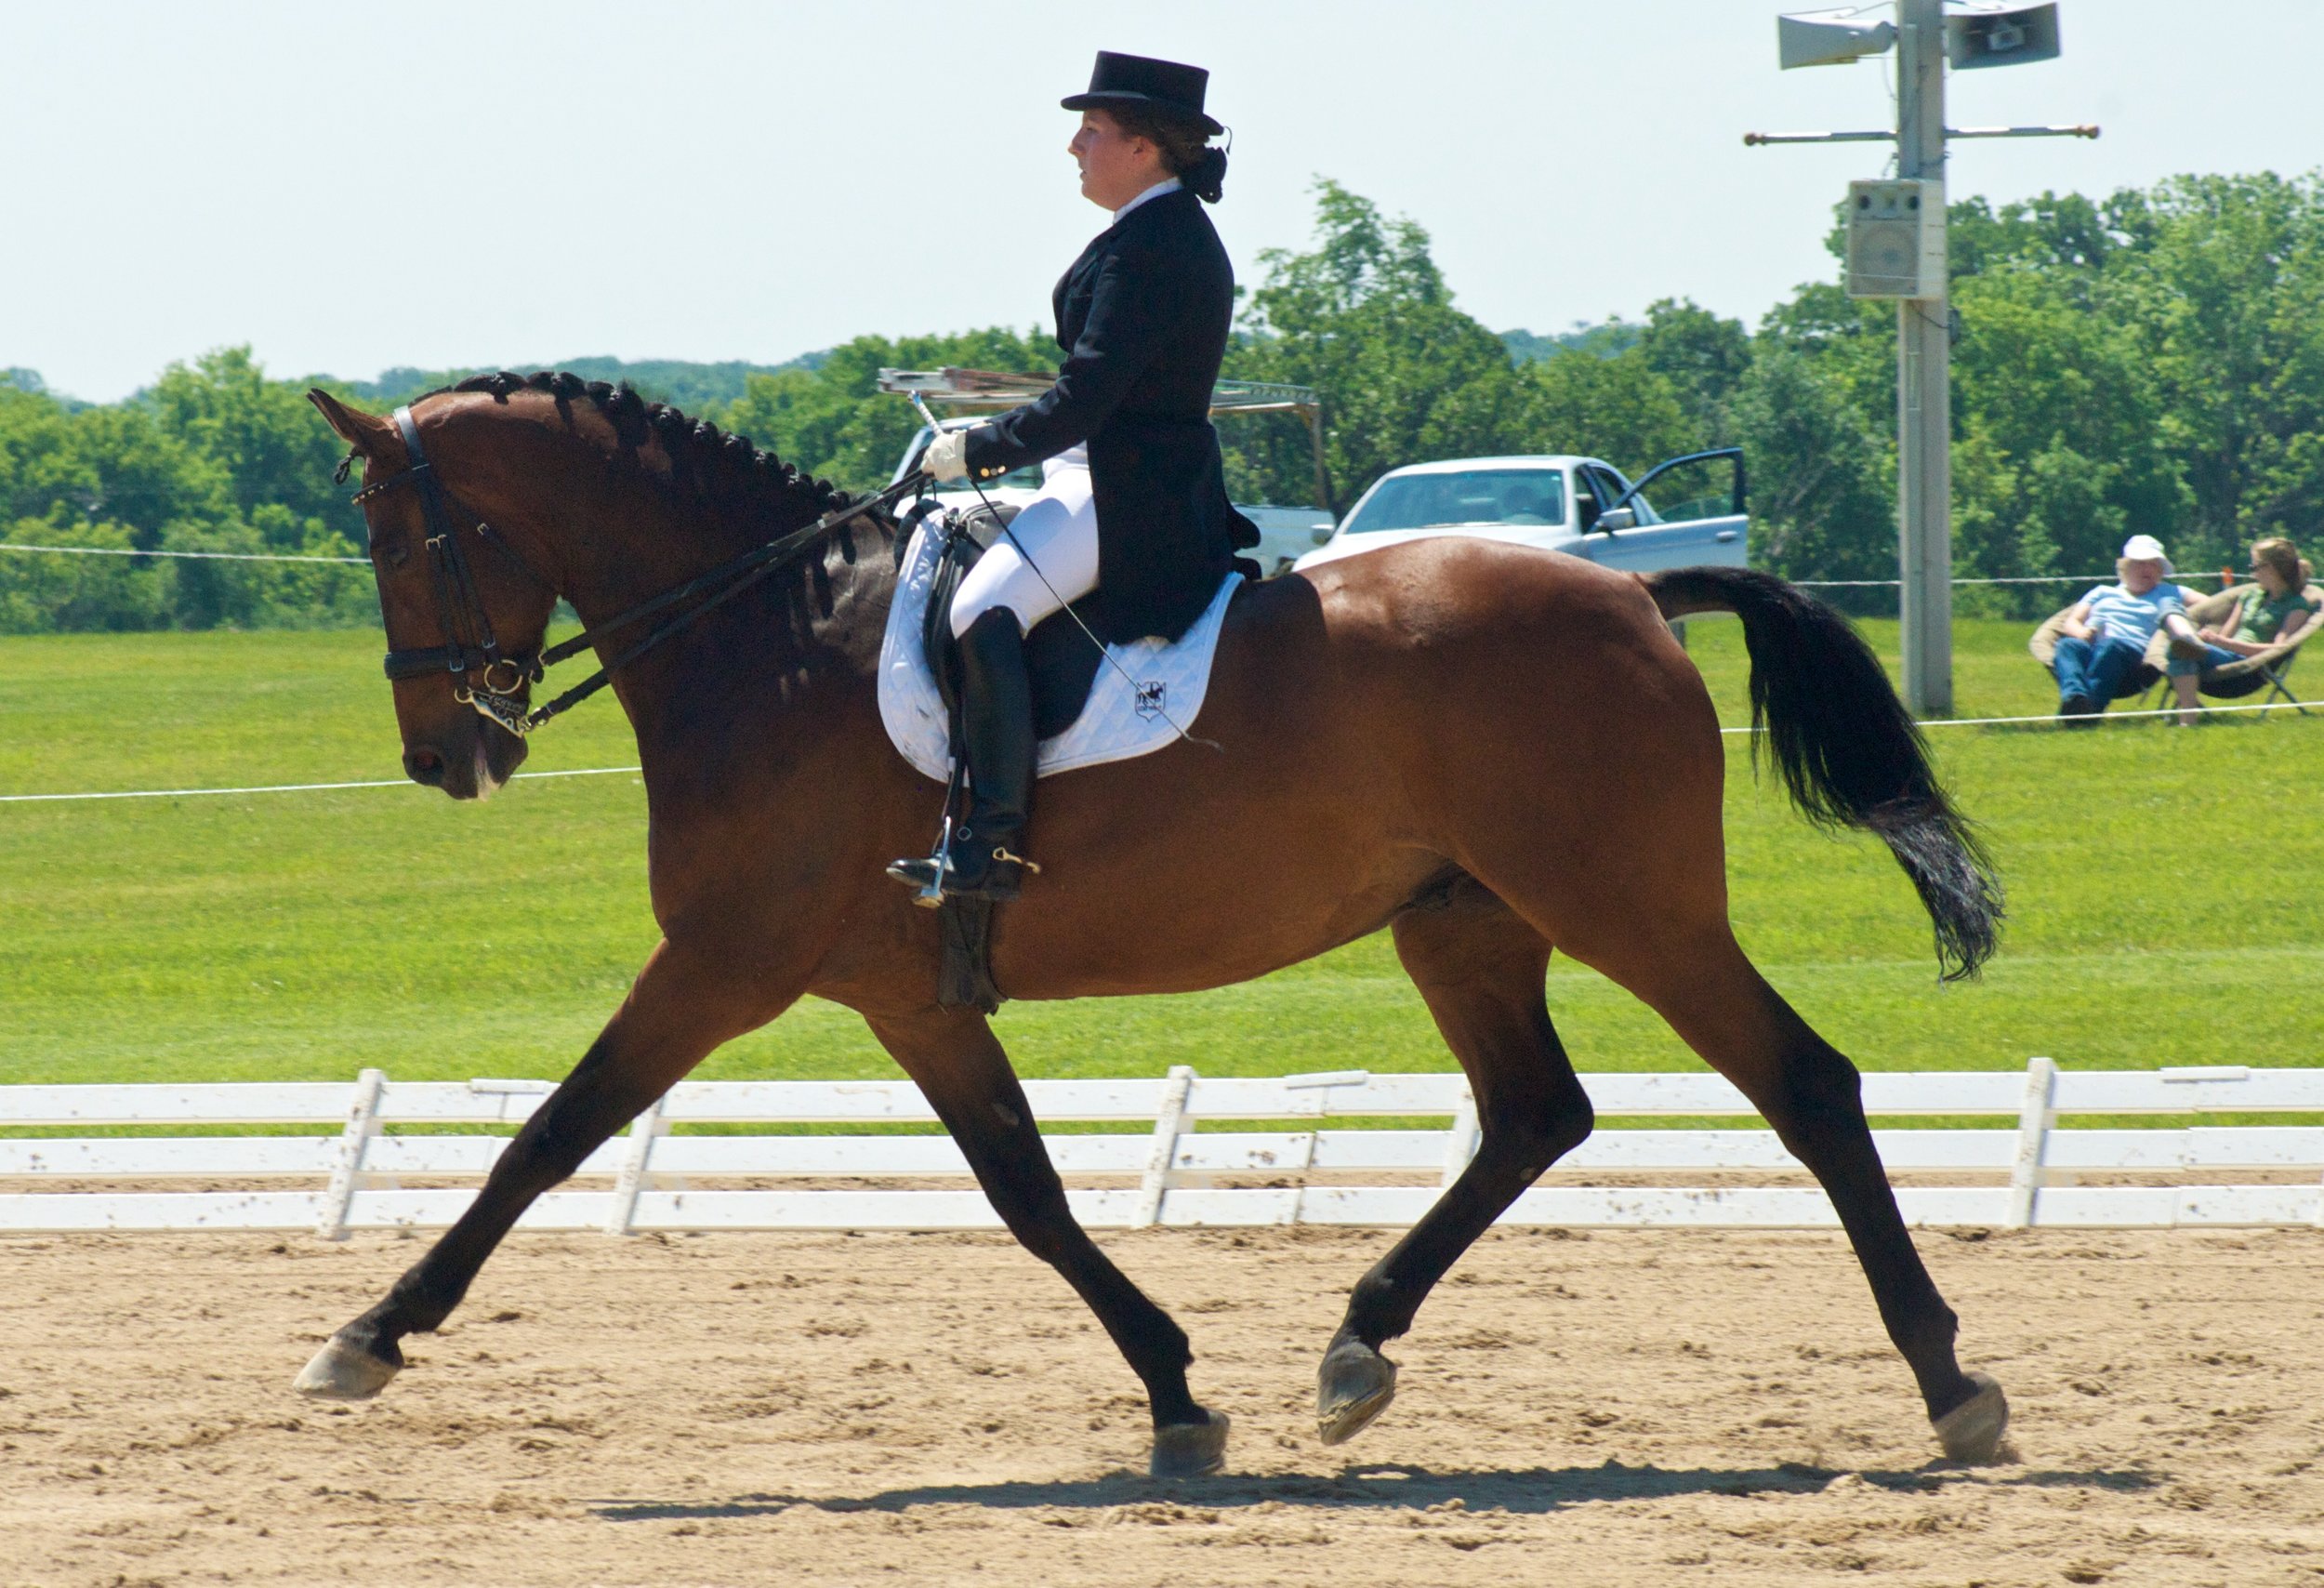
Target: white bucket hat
{"type": "Point", "coordinates": [2146, 548]}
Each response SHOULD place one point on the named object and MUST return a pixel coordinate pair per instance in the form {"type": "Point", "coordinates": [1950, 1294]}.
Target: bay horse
{"type": "Point", "coordinates": [1492, 750]}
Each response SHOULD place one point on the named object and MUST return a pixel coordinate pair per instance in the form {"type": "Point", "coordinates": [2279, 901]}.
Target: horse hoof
{"type": "Point", "coordinates": [1354, 1386]}
{"type": "Point", "coordinates": [1190, 1449]}
{"type": "Point", "coordinates": [1971, 1431]}
{"type": "Point", "coordinates": [340, 1371]}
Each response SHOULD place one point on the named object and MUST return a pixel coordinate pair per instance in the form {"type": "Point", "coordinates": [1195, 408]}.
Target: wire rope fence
{"type": "Point", "coordinates": [2046, 720]}
{"type": "Point", "coordinates": [318, 557]}
{"type": "Point", "coordinates": [2013, 581]}
{"type": "Point", "coordinates": [185, 555]}
{"type": "Point", "coordinates": [2013, 596]}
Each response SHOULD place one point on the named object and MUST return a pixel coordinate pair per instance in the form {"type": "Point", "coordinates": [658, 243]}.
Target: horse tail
{"type": "Point", "coordinates": [1850, 753]}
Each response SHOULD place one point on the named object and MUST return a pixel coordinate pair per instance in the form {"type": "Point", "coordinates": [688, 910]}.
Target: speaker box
{"type": "Point", "coordinates": [1895, 239]}
{"type": "Point", "coordinates": [1828, 38]}
{"type": "Point", "coordinates": [1981, 35]}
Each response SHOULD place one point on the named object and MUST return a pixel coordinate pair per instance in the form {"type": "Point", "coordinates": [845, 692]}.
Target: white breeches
{"type": "Point", "coordinates": [1057, 531]}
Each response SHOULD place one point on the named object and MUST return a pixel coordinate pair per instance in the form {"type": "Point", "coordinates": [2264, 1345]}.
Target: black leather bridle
{"type": "Point", "coordinates": [490, 678]}
{"type": "Point", "coordinates": [472, 649]}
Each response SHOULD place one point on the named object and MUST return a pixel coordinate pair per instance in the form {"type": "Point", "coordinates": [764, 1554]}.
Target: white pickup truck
{"type": "Point", "coordinates": [1580, 506]}
{"type": "Point", "coordinates": [1285, 532]}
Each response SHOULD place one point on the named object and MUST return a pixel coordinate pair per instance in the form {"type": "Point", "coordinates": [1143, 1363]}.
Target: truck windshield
{"type": "Point", "coordinates": [1513, 497]}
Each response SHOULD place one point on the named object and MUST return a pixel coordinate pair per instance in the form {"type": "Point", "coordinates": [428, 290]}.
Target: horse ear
{"type": "Point", "coordinates": [364, 432]}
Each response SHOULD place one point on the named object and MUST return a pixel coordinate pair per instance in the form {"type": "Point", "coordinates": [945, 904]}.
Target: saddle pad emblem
{"type": "Point", "coordinates": [1131, 701]}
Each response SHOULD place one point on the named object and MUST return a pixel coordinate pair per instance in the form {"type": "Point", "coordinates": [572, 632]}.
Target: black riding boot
{"type": "Point", "coordinates": [985, 859]}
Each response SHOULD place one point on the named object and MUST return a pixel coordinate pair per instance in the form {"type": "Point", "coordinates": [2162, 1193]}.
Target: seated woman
{"type": "Point", "coordinates": [2267, 616]}
{"type": "Point", "coordinates": [2104, 637]}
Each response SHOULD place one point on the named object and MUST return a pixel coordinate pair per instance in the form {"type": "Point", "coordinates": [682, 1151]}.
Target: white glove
{"type": "Point", "coordinates": [947, 457]}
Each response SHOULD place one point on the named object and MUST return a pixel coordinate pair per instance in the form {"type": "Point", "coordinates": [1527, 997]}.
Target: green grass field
{"type": "Point", "coordinates": [2165, 905]}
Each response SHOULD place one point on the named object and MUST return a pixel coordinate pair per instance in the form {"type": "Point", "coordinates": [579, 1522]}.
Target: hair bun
{"type": "Point", "coordinates": [1206, 179]}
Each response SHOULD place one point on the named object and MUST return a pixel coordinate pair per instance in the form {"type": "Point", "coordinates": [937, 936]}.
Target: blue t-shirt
{"type": "Point", "coordinates": [2126, 619]}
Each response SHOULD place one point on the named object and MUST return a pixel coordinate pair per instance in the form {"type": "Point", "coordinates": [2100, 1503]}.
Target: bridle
{"type": "Point", "coordinates": [490, 678]}
{"type": "Point", "coordinates": [472, 649]}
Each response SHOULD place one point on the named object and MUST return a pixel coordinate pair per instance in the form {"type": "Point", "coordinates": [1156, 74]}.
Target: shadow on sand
{"type": "Point", "coordinates": [1534, 1492]}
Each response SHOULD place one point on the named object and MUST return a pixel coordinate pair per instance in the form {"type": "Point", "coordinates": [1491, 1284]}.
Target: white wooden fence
{"type": "Point", "coordinates": [2024, 1173]}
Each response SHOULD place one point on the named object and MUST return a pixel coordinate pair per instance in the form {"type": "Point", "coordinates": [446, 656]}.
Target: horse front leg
{"type": "Point", "coordinates": [680, 1008]}
{"type": "Point", "coordinates": [965, 1074]}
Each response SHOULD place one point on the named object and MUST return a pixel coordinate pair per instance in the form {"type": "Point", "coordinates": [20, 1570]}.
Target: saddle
{"type": "Point", "coordinates": [1087, 709]}
{"type": "Point", "coordinates": [1060, 659]}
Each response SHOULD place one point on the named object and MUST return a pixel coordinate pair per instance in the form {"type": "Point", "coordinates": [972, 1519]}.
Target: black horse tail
{"type": "Point", "coordinates": [1849, 752]}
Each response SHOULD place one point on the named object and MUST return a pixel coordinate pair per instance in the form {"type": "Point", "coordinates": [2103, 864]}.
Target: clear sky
{"type": "Point", "coordinates": [349, 187]}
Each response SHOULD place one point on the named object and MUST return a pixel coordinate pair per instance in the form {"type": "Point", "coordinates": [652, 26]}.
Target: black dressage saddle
{"type": "Point", "coordinates": [1059, 656]}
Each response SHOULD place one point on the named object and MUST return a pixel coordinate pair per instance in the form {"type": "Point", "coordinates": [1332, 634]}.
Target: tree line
{"type": "Point", "coordinates": [2153, 361]}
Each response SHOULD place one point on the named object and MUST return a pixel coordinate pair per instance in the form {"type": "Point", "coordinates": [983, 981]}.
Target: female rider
{"type": "Point", "coordinates": [1133, 506]}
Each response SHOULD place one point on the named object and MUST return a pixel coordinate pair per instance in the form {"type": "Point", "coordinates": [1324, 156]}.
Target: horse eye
{"type": "Point", "coordinates": [388, 544]}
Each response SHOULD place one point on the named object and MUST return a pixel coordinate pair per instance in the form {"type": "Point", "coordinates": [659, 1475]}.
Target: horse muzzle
{"type": "Point", "coordinates": [472, 770]}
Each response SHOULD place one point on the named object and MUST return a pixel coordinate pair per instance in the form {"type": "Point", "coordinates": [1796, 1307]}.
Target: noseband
{"type": "Point", "coordinates": [488, 679]}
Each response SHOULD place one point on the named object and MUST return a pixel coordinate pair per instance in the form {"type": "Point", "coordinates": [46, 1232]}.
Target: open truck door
{"type": "Point", "coordinates": [1707, 526]}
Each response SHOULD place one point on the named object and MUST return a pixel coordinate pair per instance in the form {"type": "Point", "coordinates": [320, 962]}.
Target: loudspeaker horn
{"type": "Point", "coordinates": [1829, 39]}
{"type": "Point", "coordinates": [1981, 35]}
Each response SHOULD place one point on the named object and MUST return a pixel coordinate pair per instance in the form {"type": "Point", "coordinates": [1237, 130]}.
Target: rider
{"type": "Point", "coordinates": [1134, 500]}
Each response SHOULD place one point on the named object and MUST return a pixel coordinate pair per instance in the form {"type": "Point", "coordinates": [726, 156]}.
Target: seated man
{"type": "Point", "coordinates": [2103, 637]}
{"type": "Point", "coordinates": [2271, 613]}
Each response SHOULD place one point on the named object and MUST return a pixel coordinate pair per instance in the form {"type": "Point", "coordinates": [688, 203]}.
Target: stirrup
{"type": "Point", "coordinates": [935, 878]}
{"type": "Point", "coordinates": [923, 874]}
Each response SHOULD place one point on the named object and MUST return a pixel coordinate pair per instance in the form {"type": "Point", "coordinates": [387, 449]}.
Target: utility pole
{"type": "Point", "coordinates": [1926, 33]}
{"type": "Point", "coordinates": [1924, 355]}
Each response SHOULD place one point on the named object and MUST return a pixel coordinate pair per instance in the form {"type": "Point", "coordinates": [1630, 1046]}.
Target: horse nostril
{"type": "Point", "coordinates": [424, 766]}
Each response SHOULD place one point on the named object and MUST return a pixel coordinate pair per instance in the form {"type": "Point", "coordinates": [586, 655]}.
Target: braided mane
{"type": "Point", "coordinates": [696, 447]}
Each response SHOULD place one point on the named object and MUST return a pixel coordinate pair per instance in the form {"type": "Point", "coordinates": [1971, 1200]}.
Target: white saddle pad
{"type": "Point", "coordinates": [1139, 692]}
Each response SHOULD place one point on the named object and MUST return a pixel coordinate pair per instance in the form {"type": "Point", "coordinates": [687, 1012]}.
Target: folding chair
{"type": "Point", "coordinates": [2044, 647]}
{"type": "Point", "coordinates": [2248, 675]}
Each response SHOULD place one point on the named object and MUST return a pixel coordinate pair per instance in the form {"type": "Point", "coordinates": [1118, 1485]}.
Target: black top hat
{"type": "Point", "coordinates": [1162, 86]}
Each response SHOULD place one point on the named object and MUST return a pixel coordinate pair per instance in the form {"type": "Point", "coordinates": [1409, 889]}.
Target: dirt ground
{"type": "Point", "coordinates": [1619, 1408]}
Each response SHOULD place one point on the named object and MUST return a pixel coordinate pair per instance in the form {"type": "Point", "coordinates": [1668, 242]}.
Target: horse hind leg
{"type": "Point", "coordinates": [1716, 999]}
{"type": "Point", "coordinates": [1480, 969]}
{"type": "Point", "coordinates": [1625, 870]}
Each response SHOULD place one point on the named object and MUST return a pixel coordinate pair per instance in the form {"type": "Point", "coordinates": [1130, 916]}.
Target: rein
{"type": "Point", "coordinates": [473, 651]}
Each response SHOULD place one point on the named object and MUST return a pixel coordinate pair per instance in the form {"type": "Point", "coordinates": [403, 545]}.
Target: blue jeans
{"type": "Point", "coordinates": [2097, 673]}
{"type": "Point", "coordinates": [2213, 656]}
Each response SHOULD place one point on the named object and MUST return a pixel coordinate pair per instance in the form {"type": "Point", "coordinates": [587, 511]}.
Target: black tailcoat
{"type": "Point", "coordinates": [1142, 318]}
